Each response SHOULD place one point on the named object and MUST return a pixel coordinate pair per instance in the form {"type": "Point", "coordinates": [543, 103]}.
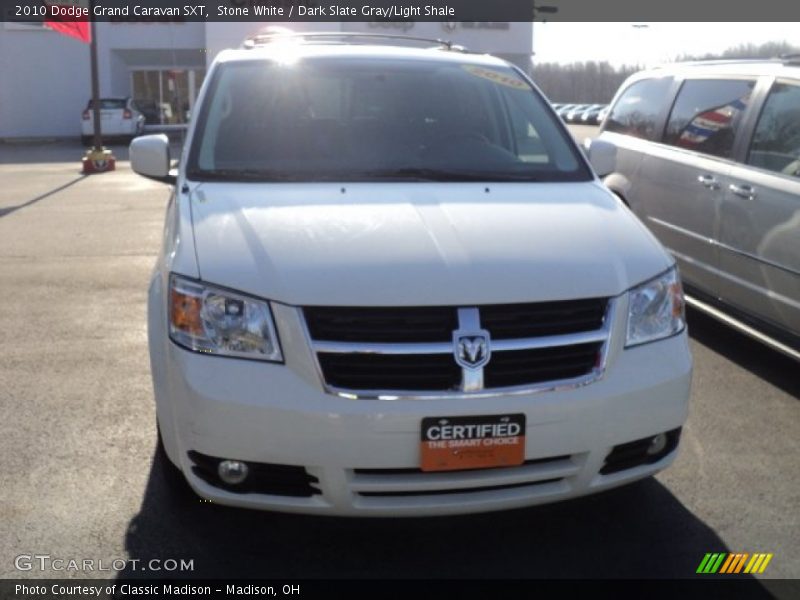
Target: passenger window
{"type": "Point", "coordinates": [636, 112]}
{"type": "Point", "coordinates": [707, 115]}
{"type": "Point", "coordinates": [776, 142]}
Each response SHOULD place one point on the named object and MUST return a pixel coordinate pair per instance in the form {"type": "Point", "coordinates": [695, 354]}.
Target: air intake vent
{"type": "Point", "coordinates": [514, 321]}
{"type": "Point", "coordinates": [382, 325]}
{"type": "Point", "coordinates": [413, 372]}
{"type": "Point", "coordinates": [520, 367]}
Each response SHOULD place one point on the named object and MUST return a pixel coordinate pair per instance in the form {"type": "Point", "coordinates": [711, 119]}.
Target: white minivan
{"type": "Point", "coordinates": [391, 284]}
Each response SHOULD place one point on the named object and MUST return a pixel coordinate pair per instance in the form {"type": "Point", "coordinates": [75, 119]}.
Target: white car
{"type": "Point", "coordinates": [119, 117]}
{"type": "Point", "coordinates": [391, 284]}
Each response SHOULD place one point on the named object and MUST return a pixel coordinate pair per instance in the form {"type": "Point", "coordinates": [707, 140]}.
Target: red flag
{"type": "Point", "coordinates": [73, 26]}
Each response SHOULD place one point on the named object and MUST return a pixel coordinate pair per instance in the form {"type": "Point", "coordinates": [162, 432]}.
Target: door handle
{"type": "Point", "coordinates": [744, 191]}
{"type": "Point", "coordinates": [708, 181]}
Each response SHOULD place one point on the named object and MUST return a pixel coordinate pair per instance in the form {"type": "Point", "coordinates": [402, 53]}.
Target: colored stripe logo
{"type": "Point", "coordinates": [734, 563]}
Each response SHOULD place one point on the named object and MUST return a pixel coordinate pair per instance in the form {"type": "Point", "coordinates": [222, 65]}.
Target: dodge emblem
{"type": "Point", "coordinates": [471, 349]}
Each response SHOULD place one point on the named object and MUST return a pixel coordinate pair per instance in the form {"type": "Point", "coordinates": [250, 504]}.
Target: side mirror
{"type": "Point", "coordinates": [149, 157]}
{"type": "Point", "coordinates": [602, 155]}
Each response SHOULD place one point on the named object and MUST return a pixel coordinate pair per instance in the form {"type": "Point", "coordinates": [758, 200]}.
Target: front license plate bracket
{"type": "Point", "coordinates": [474, 442]}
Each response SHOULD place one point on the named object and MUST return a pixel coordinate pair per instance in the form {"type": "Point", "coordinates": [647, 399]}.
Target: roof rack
{"type": "Point", "coordinates": [723, 61]}
{"type": "Point", "coordinates": [261, 39]}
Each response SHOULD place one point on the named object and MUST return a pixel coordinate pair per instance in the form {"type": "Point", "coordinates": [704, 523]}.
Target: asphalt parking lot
{"type": "Point", "coordinates": [76, 453]}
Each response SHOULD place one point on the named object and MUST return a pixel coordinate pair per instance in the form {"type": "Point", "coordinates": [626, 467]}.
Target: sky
{"type": "Point", "coordinates": [649, 43]}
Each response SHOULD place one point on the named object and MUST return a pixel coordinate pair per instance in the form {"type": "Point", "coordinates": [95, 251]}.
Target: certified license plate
{"type": "Point", "coordinates": [482, 442]}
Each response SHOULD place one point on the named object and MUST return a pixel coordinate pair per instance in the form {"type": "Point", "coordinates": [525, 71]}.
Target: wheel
{"type": "Point", "coordinates": [86, 140]}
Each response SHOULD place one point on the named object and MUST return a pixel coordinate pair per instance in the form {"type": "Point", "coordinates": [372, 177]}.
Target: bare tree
{"type": "Point", "coordinates": [588, 82]}
{"type": "Point", "coordinates": [597, 82]}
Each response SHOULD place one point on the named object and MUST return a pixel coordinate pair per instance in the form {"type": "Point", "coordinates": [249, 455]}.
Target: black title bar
{"type": "Point", "coordinates": [145, 589]}
{"type": "Point", "coordinates": [288, 11]}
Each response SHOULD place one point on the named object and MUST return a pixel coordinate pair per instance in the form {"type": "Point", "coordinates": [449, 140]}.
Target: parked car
{"type": "Point", "coordinates": [578, 114]}
{"type": "Point", "coordinates": [591, 116]}
{"type": "Point", "coordinates": [564, 108]}
{"type": "Point", "coordinates": [119, 117]}
{"type": "Point", "coordinates": [392, 285]}
{"type": "Point", "coordinates": [708, 156]}
{"type": "Point", "coordinates": [572, 114]}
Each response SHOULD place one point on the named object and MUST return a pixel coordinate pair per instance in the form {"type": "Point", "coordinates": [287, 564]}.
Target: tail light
{"type": "Point", "coordinates": [86, 115]}
{"type": "Point", "coordinates": [126, 114]}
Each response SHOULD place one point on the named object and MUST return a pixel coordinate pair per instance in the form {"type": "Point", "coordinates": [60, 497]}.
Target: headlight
{"type": "Point", "coordinates": [208, 319]}
{"type": "Point", "coordinates": [655, 309]}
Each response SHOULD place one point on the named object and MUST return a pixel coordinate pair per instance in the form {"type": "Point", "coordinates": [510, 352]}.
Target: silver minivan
{"type": "Point", "coordinates": [708, 156]}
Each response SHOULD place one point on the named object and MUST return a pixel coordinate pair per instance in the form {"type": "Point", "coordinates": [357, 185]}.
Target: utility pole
{"type": "Point", "coordinates": [97, 140]}
{"type": "Point", "coordinates": [97, 159]}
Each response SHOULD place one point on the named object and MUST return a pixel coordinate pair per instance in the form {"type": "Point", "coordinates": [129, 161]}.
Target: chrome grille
{"type": "Point", "coordinates": [382, 325]}
{"type": "Point", "coordinates": [378, 371]}
{"type": "Point", "coordinates": [521, 367]}
{"type": "Point", "coordinates": [509, 321]}
{"type": "Point", "coordinates": [390, 353]}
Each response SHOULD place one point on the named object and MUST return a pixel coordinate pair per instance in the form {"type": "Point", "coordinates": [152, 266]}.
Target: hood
{"type": "Point", "coordinates": [406, 244]}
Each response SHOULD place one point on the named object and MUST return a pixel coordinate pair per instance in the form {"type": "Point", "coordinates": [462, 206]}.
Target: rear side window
{"type": "Point", "coordinates": [110, 103]}
{"type": "Point", "coordinates": [637, 109]}
{"type": "Point", "coordinates": [776, 142]}
{"type": "Point", "coordinates": [707, 115]}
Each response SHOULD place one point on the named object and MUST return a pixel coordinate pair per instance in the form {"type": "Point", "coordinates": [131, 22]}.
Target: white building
{"type": "Point", "coordinates": [45, 76]}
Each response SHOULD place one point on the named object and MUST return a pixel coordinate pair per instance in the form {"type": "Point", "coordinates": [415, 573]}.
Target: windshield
{"type": "Point", "coordinates": [109, 103]}
{"type": "Point", "coordinates": [377, 120]}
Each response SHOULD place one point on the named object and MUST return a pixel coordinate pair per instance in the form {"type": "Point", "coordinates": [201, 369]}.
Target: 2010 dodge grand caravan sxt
{"type": "Point", "coordinates": [391, 285]}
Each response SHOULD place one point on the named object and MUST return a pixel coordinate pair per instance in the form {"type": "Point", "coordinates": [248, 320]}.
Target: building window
{"type": "Point", "coordinates": [166, 96]}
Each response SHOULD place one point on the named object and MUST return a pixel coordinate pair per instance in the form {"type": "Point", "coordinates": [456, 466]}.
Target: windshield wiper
{"type": "Point", "coordinates": [239, 175]}
{"type": "Point", "coordinates": [430, 174]}
{"type": "Point", "coordinates": [400, 174]}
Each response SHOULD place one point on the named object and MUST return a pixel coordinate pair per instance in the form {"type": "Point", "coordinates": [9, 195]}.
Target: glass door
{"type": "Point", "coordinates": [166, 96]}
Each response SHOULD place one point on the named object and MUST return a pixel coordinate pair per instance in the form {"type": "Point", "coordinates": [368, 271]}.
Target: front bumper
{"type": "Point", "coordinates": [365, 453]}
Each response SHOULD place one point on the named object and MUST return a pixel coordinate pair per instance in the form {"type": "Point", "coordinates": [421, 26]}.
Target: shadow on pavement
{"type": "Point", "coordinates": [5, 211]}
{"type": "Point", "coordinates": [58, 151]}
{"type": "Point", "coordinates": [770, 365]}
{"type": "Point", "coordinates": [66, 151]}
{"type": "Point", "coordinates": [639, 531]}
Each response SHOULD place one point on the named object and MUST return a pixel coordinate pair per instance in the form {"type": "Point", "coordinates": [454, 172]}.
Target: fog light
{"type": "Point", "coordinates": [657, 444]}
{"type": "Point", "coordinates": [232, 472]}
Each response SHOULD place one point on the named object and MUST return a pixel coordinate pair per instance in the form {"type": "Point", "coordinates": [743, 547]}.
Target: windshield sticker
{"type": "Point", "coordinates": [496, 77]}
